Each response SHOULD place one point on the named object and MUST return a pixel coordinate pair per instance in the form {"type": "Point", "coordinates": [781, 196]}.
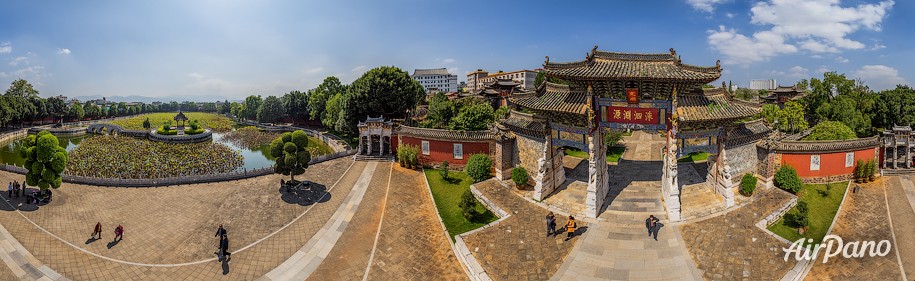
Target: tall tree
{"type": "Point", "coordinates": [252, 103]}
{"type": "Point", "coordinates": [56, 107]}
{"type": "Point", "coordinates": [473, 117]}
{"type": "Point", "coordinates": [76, 111]}
{"type": "Point", "coordinates": [318, 97]}
{"type": "Point", "coordinates": [22, 88]}
{"type": "Point", "coordinates": [333, 112]}
{"type": "Point", "coordinates": [296, 104]}
{"type": "Point", "coordinates": [385, 91]}
{"type": "Point", "coordinates": [270, 110]}
{"type": "Point", "coordinates": [895, 107]}
{"type": "Point", "coordinates": [441, 110]}
{"type": "Point", "coordinates": [791, 118]}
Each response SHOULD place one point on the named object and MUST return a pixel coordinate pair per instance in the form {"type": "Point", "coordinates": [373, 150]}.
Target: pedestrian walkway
{"type": "Point", "coordinates": [307, 259]}
{"type": "Point", "coordinates": [901, 203]}
{"type": "Point", "coordinates": [618, 246]}
{"type": "Point", "coordinates": [20, 263]}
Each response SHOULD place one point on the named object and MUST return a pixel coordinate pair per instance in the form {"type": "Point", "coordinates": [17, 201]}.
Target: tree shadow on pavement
{"type": "Point", "coordinates": [305, 195]}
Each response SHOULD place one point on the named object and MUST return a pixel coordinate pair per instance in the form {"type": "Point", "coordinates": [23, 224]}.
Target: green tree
{"type": "Point", "coordinates": [76, 111]}
{"type": "Point", "coordinates": [385, 91]}
{"type": "Point", "coordinates": [252, 104]}
{"type": "Point", "coordinates": [296, 104]}
{"type": "Point", "coordinates": [745, 94]}
{"type": "Point", "coordinates": [894, 107]}
{"type": "Point", "coordinates": [291, 154]}
{"type": "Point", "coordinates": [318, 96]}
{"type": "Point", "coordinates": [45, 159]}
{"type": "Point", "coordinates": [786, 178]}
{"type": "Point", "coordinates": [520, 176]}
{"type": "Point", "coordinates": [6, 112]}
{"type": "Point", "coordinates": [845, 109]}
{"type": "Point", "coordinates": [441, 110]}
{"type": "Point", "coordinates": [146, 124]}
{"type": "Point", "coordinates": [21, 88]}
{"type": "Point", "coordinates": [770, 113]}
{"type": "Point", "coordinates": [830, 130]}
{"type": "Point", "coordinates": [468, 205]}
{"type": "Point", "coordinates": [479, 167]}
{"type": "Point", "coordinates": [333, 112]}
{"type": "Point", "coordinates": [477, 116]}
{"type": "Point", "coordinates": [270, 110]}
{"type": "Point", "coordinates": [791, 118]}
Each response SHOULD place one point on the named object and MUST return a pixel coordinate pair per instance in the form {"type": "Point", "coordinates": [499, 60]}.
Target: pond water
{"type": "Point", "coordinates": [253, 158]}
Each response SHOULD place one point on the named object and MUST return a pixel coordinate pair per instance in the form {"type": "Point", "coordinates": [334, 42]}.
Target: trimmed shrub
{"type": "Point", "coordinates": [468, 205]}
{"type": "Point", "coordinates": [479, 167]}
{"type": "Point", "coordinates": [747, 184]}
{"type": "Point", "coordinates": [871, 170]}
{"type": "Point", "coordinates": [860, 173]}
{"type": "Point", "coordinates": [443, 170]}
{"type": "Point", "coordinates": [786, 178]}
{"type": "Point", "coordinates": [408, 156]}
{"type": "Point", "coordinates": [520, 176]}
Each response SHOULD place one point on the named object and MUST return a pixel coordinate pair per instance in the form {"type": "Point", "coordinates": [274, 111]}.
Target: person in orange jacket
{"type": "Point", "coordinates": [570, 227]}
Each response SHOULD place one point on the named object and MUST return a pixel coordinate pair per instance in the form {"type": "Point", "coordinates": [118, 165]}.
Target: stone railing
{"type": "Point", "coordinates": [194, 179]}
{"type": "Point", "coordinates": [201, 137]}
{"type": "Point", "coordinates": [59, 131]}
{"type": "Point", "coordinates": [13, 135]}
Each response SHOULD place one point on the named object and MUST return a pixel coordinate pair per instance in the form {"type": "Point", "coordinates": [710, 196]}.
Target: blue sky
{"type": "Point", "coordinates": [232, 49]}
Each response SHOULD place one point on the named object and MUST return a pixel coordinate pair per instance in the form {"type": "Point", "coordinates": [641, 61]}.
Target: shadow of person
{"type": "Point", "coordinates": [113, 243]}
{"type": "Point", "coordinates": [305, 195]}
{"type": "Point", "coordinates": [92, 239]}
{"type": "Point", "coordinates": [225, 266]}
{"type": "Point", "coordinates": [579, 231]}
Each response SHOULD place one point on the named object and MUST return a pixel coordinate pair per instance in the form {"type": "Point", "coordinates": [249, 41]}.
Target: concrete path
{"type": "Point", "coordinates": [304, 261]}
{"type": "Point", "coordinates": [618, 247]}
{"type": "Point", "coordinates": [21, 263]}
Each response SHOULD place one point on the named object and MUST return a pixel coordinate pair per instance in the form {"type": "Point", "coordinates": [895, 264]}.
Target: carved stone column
{"type": "Point", "coordinates": [669, 185]}
{"type": "Point", "coordinates": [598, 176]}
{"type": "Point", "coordinates": [544, 185]}
{"type": "Point", "coordinates": [725, 185]}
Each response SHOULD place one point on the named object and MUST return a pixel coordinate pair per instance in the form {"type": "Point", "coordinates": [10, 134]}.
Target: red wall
{"type": "Point", "coordinates": [444, 150]}
{"type": "Point", "coordinates": [831, 164]}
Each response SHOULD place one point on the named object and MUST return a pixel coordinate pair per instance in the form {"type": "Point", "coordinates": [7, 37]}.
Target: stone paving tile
{"type": "Point", "coordinates": [350, 255]}
{"type": "Point", "coordinates": [730, 247]}
{"type": "Point", "coordinates": [903, 214]}
{"type": "Point", "coordinates": [863, 218]}
{"type": "Point", "coordinates": [412, 245]}
{"type": "Point", "coordinates": [245, 265]}
{"type": "Point", "coordinates": [517, 248]}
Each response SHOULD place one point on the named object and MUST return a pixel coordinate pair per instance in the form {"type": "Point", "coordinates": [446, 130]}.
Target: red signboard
{"type": "Point", "coordinates": [635, 115]}
{"type": "Point", "coordinates": [632, 96]}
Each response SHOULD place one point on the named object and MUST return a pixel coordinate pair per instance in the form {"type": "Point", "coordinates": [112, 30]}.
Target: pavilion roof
{"type": "Point", "coordinates": [554, 97]}
{"type": "Point", "coordinates": [602, 65]}
{"type": "Point", "coordinates": [525, 124]}
{"type": "Point", "coordinates": [712, 105]}
{"type": "Point", "coordinates": [180, 116]}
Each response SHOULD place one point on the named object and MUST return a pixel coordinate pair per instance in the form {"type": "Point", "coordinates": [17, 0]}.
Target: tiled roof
{"type": "Point", "coordinates": [787, 146]}
{"type": "Point", "coordinates": [448, 135]}
{"type": "Point", "coordinates": [604, 65]}
{"type": "Point", "coordinates": [748, 132]}
{"type": "Point", "coordinates": [554, 97]}
{"type": "Point", "coordinates": [435, 71]}
{"type": "Point", "coordinates": [712, 104]}
{"type": "Point", "coordinates": [180, 116]}
{"type": "Point", "coordinates": [525, 124]}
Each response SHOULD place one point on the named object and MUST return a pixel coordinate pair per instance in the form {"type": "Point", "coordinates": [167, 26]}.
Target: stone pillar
{"type": "Point", "coordinates": [895, 163]}
{"type": "Point", "coordinates": [501, 154]}
{"type": "Point", "coordinates": [908, 157]}
{"type": "Point", "coordinates": [370, 144]}
{"type": "Point", "coordinates": [724, 186]}
{"type": "Point", "coordinates": [359, 148]}
{"type": "Point", "coordinates": [669, 185]}
{"type": "Point", "coordinates": [598, 176]}
{"type": "Point", "coordinates": [543, 180]}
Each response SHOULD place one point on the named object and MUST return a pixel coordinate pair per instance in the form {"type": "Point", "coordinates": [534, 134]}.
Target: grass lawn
{"type": "Point", "coordinates": [613, 153]}
{"type": "Point", "coordinates": [447, 195]}
{"type": "Point", "coordinates": [694, 157]}
{"type": "Point", "coordinates": [212, 121]}
{"type": "Point", "coordinates": [822, 210]}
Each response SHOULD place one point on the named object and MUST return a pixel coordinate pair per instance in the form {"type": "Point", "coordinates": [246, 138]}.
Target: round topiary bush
{"type": "Point", "coordinates": [479, 167]}
{"type": "Point", "coordinates": [520, 176]}
{"type": "Point", "coordinates": [747, 184]}
{"type": "Point", "coordinates": [786, 178]}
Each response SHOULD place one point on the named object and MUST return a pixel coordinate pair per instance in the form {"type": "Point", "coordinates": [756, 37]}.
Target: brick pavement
{"type": "Point", "coordinates": [517, 248]}
{"type": "Point", "coordinates": [246, 265]}
{"type": "Point", "coordinates": [730, 247]}
{"type": "Point", "coordinates": [350, 256]}
{"type": "Point", "coordinates": [901, 202]}
{"type": "Point", "coordinates": [412, 244]}
{"type": "Point", "coordinates": [863, 218]}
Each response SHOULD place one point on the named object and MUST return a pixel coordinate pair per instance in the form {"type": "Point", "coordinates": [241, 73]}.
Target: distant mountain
{"type": "Point", "coordinates": [144, 99]}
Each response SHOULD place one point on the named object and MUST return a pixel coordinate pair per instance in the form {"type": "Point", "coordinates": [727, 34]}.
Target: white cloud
{"type": "Point", "coordinates": [818, 26]}
{"type": "Point", "coordinates": [315, 70]}
{"type": "Point", "coordinates": [729, 15]}
{"type": "Point", "coordinates": [359, 69]}
{"type": "Point", "coordinates": [6, 48]}
{"type": "Point", "coordinates": [196, 76]}
{"type": "Point", "coordinates": [879, 77]}
{"type": "Point", "coordinates": [841, 59]}
{"type": "Point", "coordinates": [447, 61]}
{"type": "Point", "coordinates": [63, 51]}
{"type": "Point", "coordinates": [704, 5]}
{"type": "Point", "coordinates": [19, 60]}
{"type": "Point", "coordinates": [822, 69]}
{"type": "Point", "coordinates": [877, 46]}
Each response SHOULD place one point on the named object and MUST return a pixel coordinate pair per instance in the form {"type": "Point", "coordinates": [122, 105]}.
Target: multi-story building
{"type": "Point", "coordinates": [763, 84]}
{"type": "Point", "coordinates": [476, 81]}
{"type": "Point", "coordinates": [436, 80]}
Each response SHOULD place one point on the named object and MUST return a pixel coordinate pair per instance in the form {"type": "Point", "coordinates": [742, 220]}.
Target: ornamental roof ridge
{"type": "Point", "coordinates": [443, 134]}
{"type": "Point", "coordinates": [663, 57]}
{"type": "Point", "coordinates": [826, 145]}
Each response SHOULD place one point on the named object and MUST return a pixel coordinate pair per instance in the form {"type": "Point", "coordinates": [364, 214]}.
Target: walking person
{"type": "Point", "coordinates": [9, 191]}
{"type": "Point", "coordinates": [224, 248]}
{"type": "Point", "coordinates": [649, 224]}
{"type": "Point", "coordinates": [15, 189]}
{"type": "Point", "coordinates": [97, 231]}
{"type": "Point", "coordinates": [220, 232]}
{"type": "Point", "coordinates": [119, 233]}
{"type": "Point", "coordinates": [550, 224]}
{"type": "Point", "coordinates": [570, 228]}
{"type": "Point", "coordinates": [656, 226]}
